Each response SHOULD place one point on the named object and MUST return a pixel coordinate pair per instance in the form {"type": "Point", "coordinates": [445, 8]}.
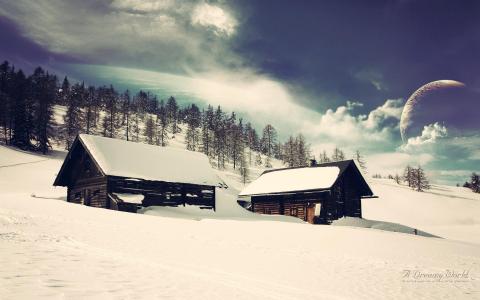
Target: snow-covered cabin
{"type": "Point", "coordinates": [318, 194]}
{"type": "Point", "coordinates": [117, 174]}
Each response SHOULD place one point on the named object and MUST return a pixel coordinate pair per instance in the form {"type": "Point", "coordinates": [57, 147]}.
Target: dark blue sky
{"type": "Point", "coordinates": [337, 48]}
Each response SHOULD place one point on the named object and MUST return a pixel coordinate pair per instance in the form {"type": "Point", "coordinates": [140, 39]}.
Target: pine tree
{"type": "Point", "coordinates": [397, 179]}
{"type": "Point", "coordinates": [269, 140]}
{"type": "Point", "coordinates": [420, 181]}
{"type": "Point", "coordinates": [360, 161]}
{"type": "Point", "coordinates": [474, 183]}
{"type": "Point", "coordinates": [290, 148]}
{"type": "Point", "coordinates": [64, 92]}
{"type": "Point", "coordinates": [251, 140]}
{"type": "Point", "coordinates": [172, 114]}
{"type": "Point", "coordinates": [162, 125]}
{"type": "Point", "coordinates": [323, 157]}
{"type": "Point", "coordinates": [6, 103]}
{"type": "Point", "coordinates": [220, 137]}
{"type": "Point", "coordinates": [22, 121]}
{"type": "Point", "coordinates": [43, 87]}
{"type": "Point", "coordinates": [208, 131]}
{"type": "Point", "coordinates": [72, 120]}
{"type": "Point", "coordinates": [244, 171]}
{"type": "Point", "coordinates": [111, 121]}
{"type": "Point", "coordinates": [141, 103]}
{"type": "Point", "coordinates": [338, 154]}
{"type": "Point", "coordinates": [125, 110]}
{"type": "Point", "coordinates": [89, 109]}
{"type": "Point", "coordinates": [302, 151]}
{"type": "Point", "coordinates": [408, 175]}
{"type": "Point", "coordinates": [237, 143]}
{"type": "Point", "coordinates": [193, 119]}
{"type": "Point", "coordinates": [149, 131]}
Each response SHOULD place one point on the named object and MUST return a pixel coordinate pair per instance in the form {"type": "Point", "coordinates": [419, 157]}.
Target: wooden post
{"type": "Point", "coordinates": [214, 200]}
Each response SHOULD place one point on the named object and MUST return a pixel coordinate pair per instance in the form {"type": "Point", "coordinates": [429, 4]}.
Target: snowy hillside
{"type": "Point", "coordinates": [446, 211]}
{"type": "Point", "coordinates": [53, 249]}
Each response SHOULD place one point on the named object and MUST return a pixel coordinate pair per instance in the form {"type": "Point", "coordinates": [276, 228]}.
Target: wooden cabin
{"type": "Point", "coordinates": [318, 194]}
{"type": "Point", "coordinates": [121, 175]}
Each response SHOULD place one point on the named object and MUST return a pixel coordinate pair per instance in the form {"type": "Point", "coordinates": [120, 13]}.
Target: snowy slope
{"type": "Point", "coordinates": [53, 249]}
{"type": "Point", "coordinates": [446, 211]}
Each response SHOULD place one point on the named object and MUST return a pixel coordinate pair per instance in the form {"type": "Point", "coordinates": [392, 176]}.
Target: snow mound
{"type": "Point", "coordinates": [386, 226]}
{"type": "Point", "coordinates": [226, 208]}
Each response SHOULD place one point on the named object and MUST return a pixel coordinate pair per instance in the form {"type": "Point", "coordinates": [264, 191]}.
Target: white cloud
{"type": "Point", "coordinates": [430, 134]}
{"type": "Point", "coordinates": [142, 33]}
{"type": "Point", "coordinates": [214, 17]}
{"type": "Point", "coordinates": [390, 112]}
{"type": "Point", "coordinates": [395, 162]}
{"type": "Point", "coordinates": [374, 131]}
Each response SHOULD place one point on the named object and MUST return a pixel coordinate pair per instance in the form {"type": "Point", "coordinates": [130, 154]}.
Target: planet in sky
{"type": "Point", "coordinates": [445, 102]}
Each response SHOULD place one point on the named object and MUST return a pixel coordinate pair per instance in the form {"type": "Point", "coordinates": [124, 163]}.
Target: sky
{"type": "Point", "coordinates": [339, 72]}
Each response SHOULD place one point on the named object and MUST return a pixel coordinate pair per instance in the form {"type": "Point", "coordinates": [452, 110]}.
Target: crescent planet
{"type": "Point", "coordinates": [416, 98]}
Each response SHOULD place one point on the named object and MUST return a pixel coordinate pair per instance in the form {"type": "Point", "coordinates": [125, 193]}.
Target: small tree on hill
{"type": "Point", "coordinates": [420, 181]}
{"type": "Point", "coordinates": [474, 183]}
{"type": "Point", "coordinates": [397, 179]}
{"type": "Point", "coordinates": [408, 175]}
{"type": "Point", "coordinates": [360, 161]}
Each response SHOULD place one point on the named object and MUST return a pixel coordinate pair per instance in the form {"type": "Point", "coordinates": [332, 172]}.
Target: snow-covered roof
{"type": "Point", "coordinates": [291, 180]}
{"type": "Point", "coordinates": [117, 157]}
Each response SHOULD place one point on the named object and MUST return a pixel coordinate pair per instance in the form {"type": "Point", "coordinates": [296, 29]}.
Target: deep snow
{"type": "Point", "coordinates": [53, 249]}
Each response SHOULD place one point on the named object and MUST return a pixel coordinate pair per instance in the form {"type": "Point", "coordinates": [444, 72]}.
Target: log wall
{"type": "Point", "coordinates": [157, 193]}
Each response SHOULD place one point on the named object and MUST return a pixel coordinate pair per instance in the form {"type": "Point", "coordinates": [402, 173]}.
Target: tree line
{"type": "Point", "coordinates": [27, 121]}
{"type": "Point", "coordinates": [415, 178]}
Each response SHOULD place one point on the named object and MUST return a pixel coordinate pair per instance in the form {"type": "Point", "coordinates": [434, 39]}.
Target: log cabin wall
{"type": "Point", "coordinates": [267, 208]}
{"type": "Point", "coordinates": [353, 206]}
{"type": "Point", "coordinates": [160, 193]}
{"type": "Point", "coordinates": [90, 191]}
{"type": "Point", "coordinates": [87, 184]}
{"type": "Point", "coordinates": [300, 205]}
{"type": "Point", "coordinates": [346, 197]}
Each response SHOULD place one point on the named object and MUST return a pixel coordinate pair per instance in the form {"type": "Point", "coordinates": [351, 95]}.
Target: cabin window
{"type": "Point", "coordinates": [318, 208]}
